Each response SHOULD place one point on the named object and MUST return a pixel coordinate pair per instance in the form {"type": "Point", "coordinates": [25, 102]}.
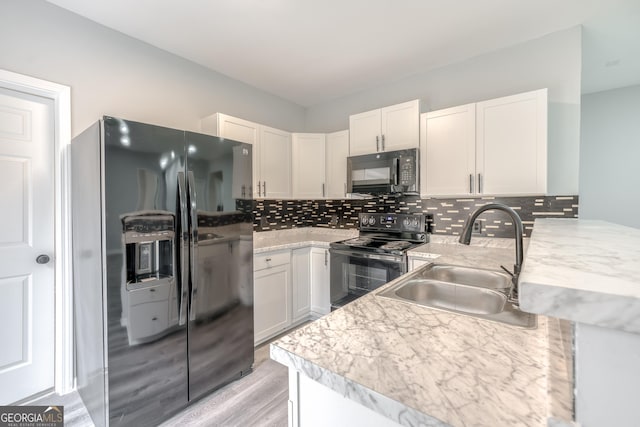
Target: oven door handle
{"type": "Point", "coordinates": [392, 258]}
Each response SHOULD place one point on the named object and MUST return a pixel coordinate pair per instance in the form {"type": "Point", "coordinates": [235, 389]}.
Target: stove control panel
{"type": "Point", "coordinates": [392, 222]}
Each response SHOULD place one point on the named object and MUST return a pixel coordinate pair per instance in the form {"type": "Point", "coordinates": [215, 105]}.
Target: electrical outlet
{"type": "Point", "coordinates": [477, 227]}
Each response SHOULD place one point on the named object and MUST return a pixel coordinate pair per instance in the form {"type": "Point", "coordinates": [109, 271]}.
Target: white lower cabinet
{"type": "Point", "coordinates": [301, 301]}
{"type": "Point", "coordinates": [313, 404]}
{"type": "Point", "coordinates": [320, 298]}
{"type": "Point", "coordinates": [272, 294]}
{"type": "Point", "coordinates": [290, 287]}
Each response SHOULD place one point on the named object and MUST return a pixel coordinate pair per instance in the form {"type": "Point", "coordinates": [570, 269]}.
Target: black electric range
{"type": "Point", "coordinates": [377, 256]}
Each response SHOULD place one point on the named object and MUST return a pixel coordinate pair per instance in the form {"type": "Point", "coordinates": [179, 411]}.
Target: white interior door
{"type": "Point", "coordinates": [27, 232]}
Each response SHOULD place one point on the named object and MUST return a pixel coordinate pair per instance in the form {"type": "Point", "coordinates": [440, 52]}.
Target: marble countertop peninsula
{"type": "Point", "coordinates": [294, 238]}
{"type": "Point", "coordinates": [420, 366]}
{"type": "Point", "coordinates": [583, 270]}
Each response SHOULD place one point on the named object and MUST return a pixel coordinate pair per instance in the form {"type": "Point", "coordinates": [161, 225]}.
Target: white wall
{"type": "Point", "coordinates": [610, 155]}
{"type": "Point", "coordinates": [607, 374]}
{"type": "Point", "coordinates": [553, 61]}
{"type": "Point", "coordinates": [113, 74]}
{"type": "Point", "coordinates": [608, 361]}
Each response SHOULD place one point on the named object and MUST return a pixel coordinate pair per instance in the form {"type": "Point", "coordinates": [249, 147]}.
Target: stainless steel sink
{"type": "Point", "coordinates": [490, 279]}
{"type": "Point", "coordinates": [450, 296]}
{"type": "Point", "coordinates": [474, 292]}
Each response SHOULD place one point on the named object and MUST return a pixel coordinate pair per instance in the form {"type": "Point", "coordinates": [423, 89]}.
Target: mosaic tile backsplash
{"type": "Point", "coordinates": [449, 214]}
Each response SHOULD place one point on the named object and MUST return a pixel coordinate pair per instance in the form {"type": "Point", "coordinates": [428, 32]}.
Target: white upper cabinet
{"type": "Point", "coordinates": [241, 130]}
{"type": "Point", "coordinates": [495, 147]}
{"type": "Point", "coordinates": [337, 151]}
{"type": "Point", "coordinates": [391, 128]}
{"type": "Point", "coordinates": [275, 163]}
{"type": "Point", "coordinates": [271, 155]}
{"type": "Point", "coordinates": [364, 129]}
{"type": "Point", "coordinates": [511, 144]}
{"type": "Point", "coordinates": [449, 156]}
{"type": "Point", "coordinates": [308, 165]}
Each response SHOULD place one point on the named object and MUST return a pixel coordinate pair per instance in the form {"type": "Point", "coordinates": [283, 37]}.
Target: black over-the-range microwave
{"type": "Point", "coordinates": [389, 172]}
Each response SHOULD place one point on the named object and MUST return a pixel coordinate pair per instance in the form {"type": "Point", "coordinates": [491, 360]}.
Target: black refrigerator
{"type": "Point", "coordinates": [162, 268]}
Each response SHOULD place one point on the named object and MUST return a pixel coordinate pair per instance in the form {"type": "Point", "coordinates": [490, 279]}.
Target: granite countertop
{"type": "Point", "coordinates": [583, 270]}
{"type": "Point", "coordinates": [420, 366]}
{"type": "Point", "coordinates": [294, 238]}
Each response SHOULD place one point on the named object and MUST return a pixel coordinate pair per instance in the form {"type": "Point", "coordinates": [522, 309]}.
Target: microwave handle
{"type": "Point", "coordinates": [396, 171]}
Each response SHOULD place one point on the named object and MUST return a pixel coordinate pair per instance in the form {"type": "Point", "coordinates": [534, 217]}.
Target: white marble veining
{"type": "Point", "coordinates": [298, 238]}
{"type": "Point", "coordinates": [420, 366]}
{"type": "Point", "coordinates": [585, 271]}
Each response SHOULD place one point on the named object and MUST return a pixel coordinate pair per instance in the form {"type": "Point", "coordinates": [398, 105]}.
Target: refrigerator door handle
{"type": "Point", "coordinates": [183, 248]}
{"type": "Point", "coordinates": [191, 186]}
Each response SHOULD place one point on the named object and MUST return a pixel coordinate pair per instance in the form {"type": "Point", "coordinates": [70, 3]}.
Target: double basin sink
{"type": "Point", "coordinates": [470, 291]}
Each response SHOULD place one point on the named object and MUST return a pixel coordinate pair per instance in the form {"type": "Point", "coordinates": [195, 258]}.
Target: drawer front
{"type": "Point", "coordinates": [151, 294]}
{"type": "Point", "coordinates": [272, 259]}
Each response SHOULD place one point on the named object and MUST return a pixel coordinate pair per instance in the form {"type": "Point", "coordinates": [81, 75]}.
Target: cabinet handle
{"type": "Point", "coordinates": [152, 290]}
{"type": "Point", "coordinates": [325, 258]}
{"type": "Point", "coordinates": [479, 183]}
{"type": "Point", "coordinates": [377, 143]}
{"type": "Point", "coordinates": [345, 189]}
{"type": "Point", "coordinates": [382, 142]}
{"type": "Point", "coordinates": [323, 195]}
{"type": "Point", "coordinates": [264, 188]}
{"type": "Point", "coordinates": [268, 259]}
{"type": "Point", "coordinates": [258, 188]}
{"type": "Point", "coordinates": [154, 318]}
{"type": "Point", "coordinates": [470, 183]}
{"type": "Point", "coordinates": [242, 192]}
{"type": "Point", "coordinates": [251, 191]}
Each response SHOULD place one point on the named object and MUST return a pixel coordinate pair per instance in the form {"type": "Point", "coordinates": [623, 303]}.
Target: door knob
{"type": "Point", "coordinates": [43, 259]}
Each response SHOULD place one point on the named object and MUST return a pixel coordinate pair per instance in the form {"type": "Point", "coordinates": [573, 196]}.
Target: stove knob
{"type": "Point", "coordinates": [406, 222]}
{"type": "Point", "coordinates": [415, 222]}
{"type": "Point", "coordinates": [364, 220]}
{"type": "Point", "coordinates": [372, 220]}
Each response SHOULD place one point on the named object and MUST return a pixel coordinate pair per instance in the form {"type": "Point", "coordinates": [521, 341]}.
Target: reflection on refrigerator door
{"type": "Point", "coordinates": [148, 291]}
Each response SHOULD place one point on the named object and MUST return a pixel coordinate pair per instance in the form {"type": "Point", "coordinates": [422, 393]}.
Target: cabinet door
{"type": "Point", "coordinates": [243, 131]}
{"type": "Point", "coordinates": [511, 144]}
{"type": "Point", "coordinates": [272, 302]}
{"type": "Point", "coordinates": [448, 151]}
{"type": "Point", "coordinates": [301, 283]}
{"type": "Point", "coordinates": [308, 165]}
{"type": "Point", "coordinates": [400, 126]}
{"type": "Point", "coordinates": [320, 296]}
{"type": "Point", "coordinates": [242, 175]}
{"type": "Point", "coordinates": [337, 149]}
{"type": "Point", "coordinates": [275, 163]}
{"type": "Point", "coordinates": [364, 131]}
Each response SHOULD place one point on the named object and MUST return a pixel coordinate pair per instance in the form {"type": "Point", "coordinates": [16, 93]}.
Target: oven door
{"type": "Point", "coordinates": [355, 273]}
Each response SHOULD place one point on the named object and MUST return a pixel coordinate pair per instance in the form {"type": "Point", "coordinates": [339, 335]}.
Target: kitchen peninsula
{"type": "Point", "coordinates": [385, 362]}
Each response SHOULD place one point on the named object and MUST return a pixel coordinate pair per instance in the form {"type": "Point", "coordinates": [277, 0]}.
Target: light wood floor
{"type": "Point", "coordinates": [259, 399]}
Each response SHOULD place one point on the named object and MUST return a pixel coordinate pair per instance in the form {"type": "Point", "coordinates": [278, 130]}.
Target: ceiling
{"type": "Point", "coordinates": [315, 51]}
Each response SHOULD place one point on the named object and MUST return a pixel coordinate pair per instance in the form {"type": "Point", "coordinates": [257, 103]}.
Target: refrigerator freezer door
{"type": "Point", "coordinates": [147, 348]}
{"type": "Point", "coordinates": [221, 306]}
